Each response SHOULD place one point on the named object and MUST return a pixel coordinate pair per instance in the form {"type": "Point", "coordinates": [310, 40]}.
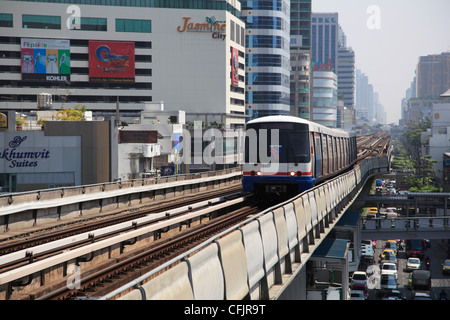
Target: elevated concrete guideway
{"type": "Point", "coordinates": [264, 257]}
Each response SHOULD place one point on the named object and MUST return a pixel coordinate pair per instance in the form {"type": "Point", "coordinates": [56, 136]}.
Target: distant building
{"type": "Point", "coordinates": [300, 83]}
{"type": "Point", "coordinates": [325, 99]}
{"type": "Point", "coordinates": [439, 140]}
{"type": "Point", "coordinates": [364, 99]}
{"type": "Point", "coordinates": [346, 72]}
{"type": "Point", "coordinates": [324, 33]}
{"type": "Point", "coordinates": [301, 58]}
{"type": "Point", "coordinates": [433, 75]}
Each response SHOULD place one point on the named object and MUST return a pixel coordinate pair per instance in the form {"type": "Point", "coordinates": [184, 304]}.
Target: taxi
{"type": "Point", "coordinates": [446, 267]}
{"type": "Point", "coordinates": [391, 244]}
{"type": "Point", "coordinates": [386, 252]}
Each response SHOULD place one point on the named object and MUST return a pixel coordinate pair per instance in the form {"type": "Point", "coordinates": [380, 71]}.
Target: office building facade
{"type": "Point", "coordinates": [267, 57]}
{"type": "Point", "coordinates": [325, 99]}
{"type": "Point", "coordinates": [301, 58]}
{"type": "Point", "coordinates": [324, 45]}
{"type": "Point", "coordinates": [191, 56]}
{"type": "Point", "coordinates": [433, 75]}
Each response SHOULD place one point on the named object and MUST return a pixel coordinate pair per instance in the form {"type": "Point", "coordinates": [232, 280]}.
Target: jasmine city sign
{"type": "Point", "coordinates": [213, 26]}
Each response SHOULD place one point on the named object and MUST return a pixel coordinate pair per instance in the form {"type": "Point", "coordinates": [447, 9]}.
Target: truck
{"type": "Point", "coordinates": [421, 280]}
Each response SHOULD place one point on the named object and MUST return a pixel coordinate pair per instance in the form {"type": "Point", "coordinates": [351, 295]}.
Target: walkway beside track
{"type": "Point", "coordinates": [19, 211]}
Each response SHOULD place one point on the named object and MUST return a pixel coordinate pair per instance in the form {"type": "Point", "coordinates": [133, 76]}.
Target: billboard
{"type": "Point", "coordinates": [234, 66]}
{"type": "Point", "coordinates": [45, 59]}
{"type": "Point", "coordinates": [111, 61]}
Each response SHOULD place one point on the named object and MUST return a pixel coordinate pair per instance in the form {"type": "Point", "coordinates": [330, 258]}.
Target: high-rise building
{"type": "Point", "coordinates": [325, 100]}
{"type": "Point", "coordinates": [364, 99]}
{"type": "Point", "coordinates": [301, 23]}
{"type": "Point", "coordinates": [188, 54]}
{"type": "Point", "coordinates": [324, 44]}
{"type": "Point", "coordinates": [345, 70]}
{"type": "Point", "coordinates": [267, 57]}
{"type": "Point", "coordinates": [301, 58]}
{"type": "Point", "coordinates": [433, 74]}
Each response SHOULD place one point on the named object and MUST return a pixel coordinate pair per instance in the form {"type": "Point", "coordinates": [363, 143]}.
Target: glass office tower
{"type": "Point", "coordinates": [267, 57]}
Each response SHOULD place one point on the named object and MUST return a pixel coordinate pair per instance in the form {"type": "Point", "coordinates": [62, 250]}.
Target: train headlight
{"type": "Point", "coordinates": [259, 173]}
{"type": "Point", "coordinates": [253, 173]}
{"type": "Point", "coordinates": [292, 173]}
{"type": "Point", "coordinates": [299, 173]}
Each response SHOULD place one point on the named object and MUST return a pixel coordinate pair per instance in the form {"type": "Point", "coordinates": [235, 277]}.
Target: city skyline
{"type": "Point", "coordinates": [396, 33]}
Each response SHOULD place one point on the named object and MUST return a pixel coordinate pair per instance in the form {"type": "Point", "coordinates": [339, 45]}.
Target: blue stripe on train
{"type": "Point", "coordinates": [304, 183]}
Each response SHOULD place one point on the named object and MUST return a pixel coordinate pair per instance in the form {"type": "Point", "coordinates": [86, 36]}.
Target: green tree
{"type": "Point", "coordinates": [74, 114]}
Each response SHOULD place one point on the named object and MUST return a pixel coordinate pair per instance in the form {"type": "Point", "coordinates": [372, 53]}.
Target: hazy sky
{"type": "Point", "coordinates": [388, 45]}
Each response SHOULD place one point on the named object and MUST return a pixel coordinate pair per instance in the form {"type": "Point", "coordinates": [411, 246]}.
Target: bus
{"type": "Point", "coordinates": [414, 248]}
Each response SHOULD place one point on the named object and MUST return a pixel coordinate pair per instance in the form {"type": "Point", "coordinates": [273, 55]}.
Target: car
{"type": "Point", "coordinates": [413, 263]}
{"type": "Point", "coordinates": [367, 252]}
{"type": "Point", "coordinates": [391, 244]}
{"type": "Point", "coordinates": [387, 252]}
{"type": "Point", "coordinates": [388, 282]}
{"type": "Point", "coordinates": [357, 295]}
{"type": "Point", "coordinates": [409, 284]}
{"type": "Point", "coordinates": [359, 278]}
{"type": "Point", "coordinates": [389, 268]}
{"type": "Point", "coordinates": [393, 295]}
{"type": "Point", "coordinates": [421, 295]}
{"type": "Point", "coordinates": [446, 267]}
{"type": "Point", "coordinates": [391, 213]}
{"type": "Point", "coordinates": [372, 213]}
{"type": "Point", "coordinates": [369, 242]}
{"type": "Point", "coordinates": [390, 259]}
{"type": "Point", "coordinates": [361, 287]}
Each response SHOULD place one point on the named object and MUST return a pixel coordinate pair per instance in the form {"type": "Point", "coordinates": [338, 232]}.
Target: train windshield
{"type": "Point", "coordinates": [281, 142]}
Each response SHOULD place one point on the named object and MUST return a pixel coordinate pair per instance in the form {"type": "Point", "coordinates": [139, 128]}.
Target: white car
{"type": "Point", "coordinates": [389, 268]}
{"type": "Point", "coordinates": [413, 263]}
{"type": "Point", "coordinates": [359, 277]}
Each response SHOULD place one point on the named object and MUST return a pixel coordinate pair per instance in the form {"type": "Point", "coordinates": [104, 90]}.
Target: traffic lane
{"type": "Point", "coordinates": [437, 254]}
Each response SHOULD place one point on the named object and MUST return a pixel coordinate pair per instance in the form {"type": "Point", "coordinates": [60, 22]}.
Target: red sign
{"type": "Point", "coordinates": [234, 66]}
{"type": "Point", "coordinates": [111, 61]}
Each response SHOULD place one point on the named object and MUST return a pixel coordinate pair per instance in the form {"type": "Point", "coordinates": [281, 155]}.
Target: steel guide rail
{"type": "Point", "coordinates": [8, 276]}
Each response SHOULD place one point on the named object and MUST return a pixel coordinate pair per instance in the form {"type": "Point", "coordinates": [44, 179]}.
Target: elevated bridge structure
{"type": "Point", "coordinates": [264, 257]}
{"type": "Point", "coordinates": [421, 215]}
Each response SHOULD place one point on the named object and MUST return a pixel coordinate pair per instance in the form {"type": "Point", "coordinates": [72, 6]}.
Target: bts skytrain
{"type": "Point", "coordinates": [286, 154]}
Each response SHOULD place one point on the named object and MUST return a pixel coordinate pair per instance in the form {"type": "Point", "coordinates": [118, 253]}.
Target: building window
{"type": "Point", "coordinates": [131, 25]}
{"type": "Point", "coordinates": [6, 20]}
{"type": "Point", "coordinates": [41, 22]}
{"type": "Point", "coordinates": [92, 24]}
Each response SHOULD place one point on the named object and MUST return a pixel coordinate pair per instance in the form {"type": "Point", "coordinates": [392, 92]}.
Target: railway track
{"type": "Point", "coordinates": [104, 280]}
{"type": "Point", "coordinates": [374, 145]}
{"type": "Point", "coordinates": [24, 272]}
{"type": "Point", "coordinates": [62, 230]}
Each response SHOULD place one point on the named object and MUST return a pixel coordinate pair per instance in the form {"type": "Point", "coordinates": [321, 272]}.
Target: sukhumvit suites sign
{"type": "Point", "coordinates": [17, 158]}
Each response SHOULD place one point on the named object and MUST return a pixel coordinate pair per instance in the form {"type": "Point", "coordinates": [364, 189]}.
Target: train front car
{"type": "Point", "coordinates": [277, 156]}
